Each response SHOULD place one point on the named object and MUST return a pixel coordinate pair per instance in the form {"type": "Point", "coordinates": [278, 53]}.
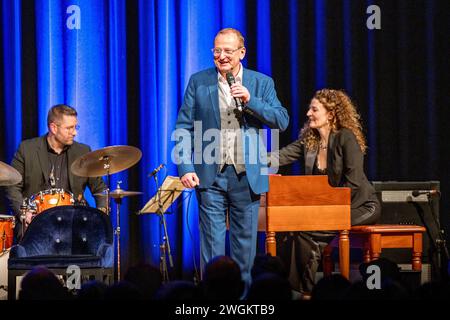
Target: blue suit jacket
{"type": "Point", "coordinates": [200, 112]}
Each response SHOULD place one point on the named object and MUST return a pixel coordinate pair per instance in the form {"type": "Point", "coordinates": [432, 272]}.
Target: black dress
{"type": "Point", "coordinates": [301, 252]}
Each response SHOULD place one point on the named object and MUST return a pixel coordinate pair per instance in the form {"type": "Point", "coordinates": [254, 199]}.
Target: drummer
{"type": "Point", "coordinates": [44, 163]}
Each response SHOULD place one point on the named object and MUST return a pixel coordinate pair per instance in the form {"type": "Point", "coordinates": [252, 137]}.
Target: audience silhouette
{"type": "Point", "coordinates": [222, 282]}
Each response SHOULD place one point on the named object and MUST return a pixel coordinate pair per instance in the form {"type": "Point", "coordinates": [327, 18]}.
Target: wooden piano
{"type": "Point", "coordinates": [306, 203]}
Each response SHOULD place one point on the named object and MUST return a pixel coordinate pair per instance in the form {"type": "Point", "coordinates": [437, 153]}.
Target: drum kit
{"type": "Point", "coordinates": [8, 176]}
{"type": "Point", "coordinates": [98, 163]}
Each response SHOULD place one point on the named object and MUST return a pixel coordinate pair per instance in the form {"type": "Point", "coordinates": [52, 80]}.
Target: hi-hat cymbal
{"type": "Point", "coordinates": [8, 175]}
{"type": "Point", "coordinates": [119, 193]}
{"type": "Point", "coordinates": [95, 163]}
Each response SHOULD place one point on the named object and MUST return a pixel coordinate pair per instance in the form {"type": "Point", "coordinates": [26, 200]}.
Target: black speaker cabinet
{"type": "Point", "coordinates": [411, 203]}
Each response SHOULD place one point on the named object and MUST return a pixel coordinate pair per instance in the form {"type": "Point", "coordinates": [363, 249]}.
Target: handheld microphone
{"type": "Point", "coordinates": [417, 193]}
{"type": "Point", "coordinates": [156, 170]}
{"type": "Point", "coordinates": [231, 81]}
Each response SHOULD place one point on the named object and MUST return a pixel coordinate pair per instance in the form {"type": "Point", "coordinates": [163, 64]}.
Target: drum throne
{"type": "Point", "coordinates": [63, 236]}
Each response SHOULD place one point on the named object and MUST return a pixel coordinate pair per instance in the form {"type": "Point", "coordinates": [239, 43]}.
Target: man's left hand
{"type": "Point", "coordinates": [241, 92]}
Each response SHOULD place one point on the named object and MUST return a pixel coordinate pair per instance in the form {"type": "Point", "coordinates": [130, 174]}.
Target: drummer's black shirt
{"type": "Point", "coordinates": [58, 169]}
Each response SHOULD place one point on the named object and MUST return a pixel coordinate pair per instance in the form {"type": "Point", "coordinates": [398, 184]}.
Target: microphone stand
{"type": "Point", "coordinates": [440, 242]}
{"type": "Point", "coordinates": [437, 242]}
{"type": "Point", "coordinates": [165, 245]}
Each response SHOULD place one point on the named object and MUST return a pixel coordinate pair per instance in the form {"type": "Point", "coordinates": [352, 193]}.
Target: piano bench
{"type": "Point", "coordinates": [374, 238]}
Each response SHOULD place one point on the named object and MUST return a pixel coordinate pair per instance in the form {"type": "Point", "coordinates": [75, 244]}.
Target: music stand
{"type": "Point", "coordinates": [159, 203]}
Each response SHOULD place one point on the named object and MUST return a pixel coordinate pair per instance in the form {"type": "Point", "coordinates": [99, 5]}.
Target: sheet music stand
{"type": "Point", "coordinates": [159, 203]}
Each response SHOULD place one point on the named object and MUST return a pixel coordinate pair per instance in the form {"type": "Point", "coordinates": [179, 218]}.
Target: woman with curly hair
{"type": "Point", "coordinates": [331, 143]}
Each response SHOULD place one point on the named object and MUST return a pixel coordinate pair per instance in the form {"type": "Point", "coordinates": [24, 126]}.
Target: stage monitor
{"type": "Point", "coordinates": [411, 203]}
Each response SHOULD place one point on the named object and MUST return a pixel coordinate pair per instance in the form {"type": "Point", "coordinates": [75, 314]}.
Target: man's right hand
{"type": "Point", "coordinates": [190, 180]}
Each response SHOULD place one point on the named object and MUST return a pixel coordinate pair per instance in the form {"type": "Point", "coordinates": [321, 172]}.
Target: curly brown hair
{"type": "Point", "coordinates": [344, 115]}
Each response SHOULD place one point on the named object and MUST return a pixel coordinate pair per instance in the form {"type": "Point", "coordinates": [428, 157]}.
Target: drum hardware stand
{"type": "Point", "coordinates": [23, 217]}
{"type": "Point", "coordinates": [118, 201]}
{"type": "Point", "coordinates": [165, 245]}
{"type": "Point", "coordinates": [107, 166]}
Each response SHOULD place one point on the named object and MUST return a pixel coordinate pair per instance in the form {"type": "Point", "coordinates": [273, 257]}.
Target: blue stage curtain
{"type": "Point", "coordinates": [171, 50]}
{"type": "Point", "coordinates": [195, 55]}
{"type": "Point", "coordinates": [320, 44]}
{"type": "Point", "coordinates": [81, 62]}
{"type": "Point", "coordinates": [157, 104]}
{"type": "Point", "coordinates": [116, 117]}
{"type": "Point", "coordinates": [371, 86]}
{"type": "Point", "coordinates": [12, 75]}
{"type": "Point", "coordinates": [72, 65]}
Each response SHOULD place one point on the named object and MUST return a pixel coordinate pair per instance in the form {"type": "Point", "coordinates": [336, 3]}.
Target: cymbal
{"type": "Point", "coordinates": [93, 164]}
{"type": "Point", "coordinates": [119, 193]}
{"type": "Point", "coordinates": [8, 175]}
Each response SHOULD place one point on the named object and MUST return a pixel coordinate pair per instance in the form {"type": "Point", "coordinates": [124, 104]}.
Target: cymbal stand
{"type": "Point", "coordinates": [118, 203]}
{"type": "Point", "coordinates": [165, 245]}
{"type": "Point", "coordinates": [107, 167]}
{"type": "Point", "coordinates": [23, 215]}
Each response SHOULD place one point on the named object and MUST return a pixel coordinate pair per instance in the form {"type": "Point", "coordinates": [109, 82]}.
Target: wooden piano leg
{"type": "Point", "coordinates": [367, 257]}
{"type": "Point", "coordinates": [375, 246]}
{"type": "Point", "coordinates": [344, 254]}
{"type": "Point", "coordinates": [417, 252]}
{"type": "Point", "coordinates": [271, 243]}
{"type": "Point", "coordinates": [327, 261]}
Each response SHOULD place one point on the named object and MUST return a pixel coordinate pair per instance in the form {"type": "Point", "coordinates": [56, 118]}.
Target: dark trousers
{"type": "Point", "coordinates": [229, 192]}
{"type": "Point", "coordinates": [301, 252]}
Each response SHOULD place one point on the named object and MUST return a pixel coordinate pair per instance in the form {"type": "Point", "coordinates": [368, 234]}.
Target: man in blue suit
{"type": "Point", "coordinates": [220, 119]}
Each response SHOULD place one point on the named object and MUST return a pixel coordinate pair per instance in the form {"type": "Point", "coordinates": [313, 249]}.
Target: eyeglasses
{"type": "Point", "coordinates": [228, 52]}
{"type": "Point", "coordinates": [69, 129]}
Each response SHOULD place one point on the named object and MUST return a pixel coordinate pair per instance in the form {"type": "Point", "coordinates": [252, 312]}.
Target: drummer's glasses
{"type": "Point", "coordinates": [69, 129]}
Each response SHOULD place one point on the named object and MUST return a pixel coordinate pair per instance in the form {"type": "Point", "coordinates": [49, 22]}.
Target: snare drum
{"type": "Point", "coordinates": [6, 231]}
{"type": "Point", "coordinates": [50, 198]}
